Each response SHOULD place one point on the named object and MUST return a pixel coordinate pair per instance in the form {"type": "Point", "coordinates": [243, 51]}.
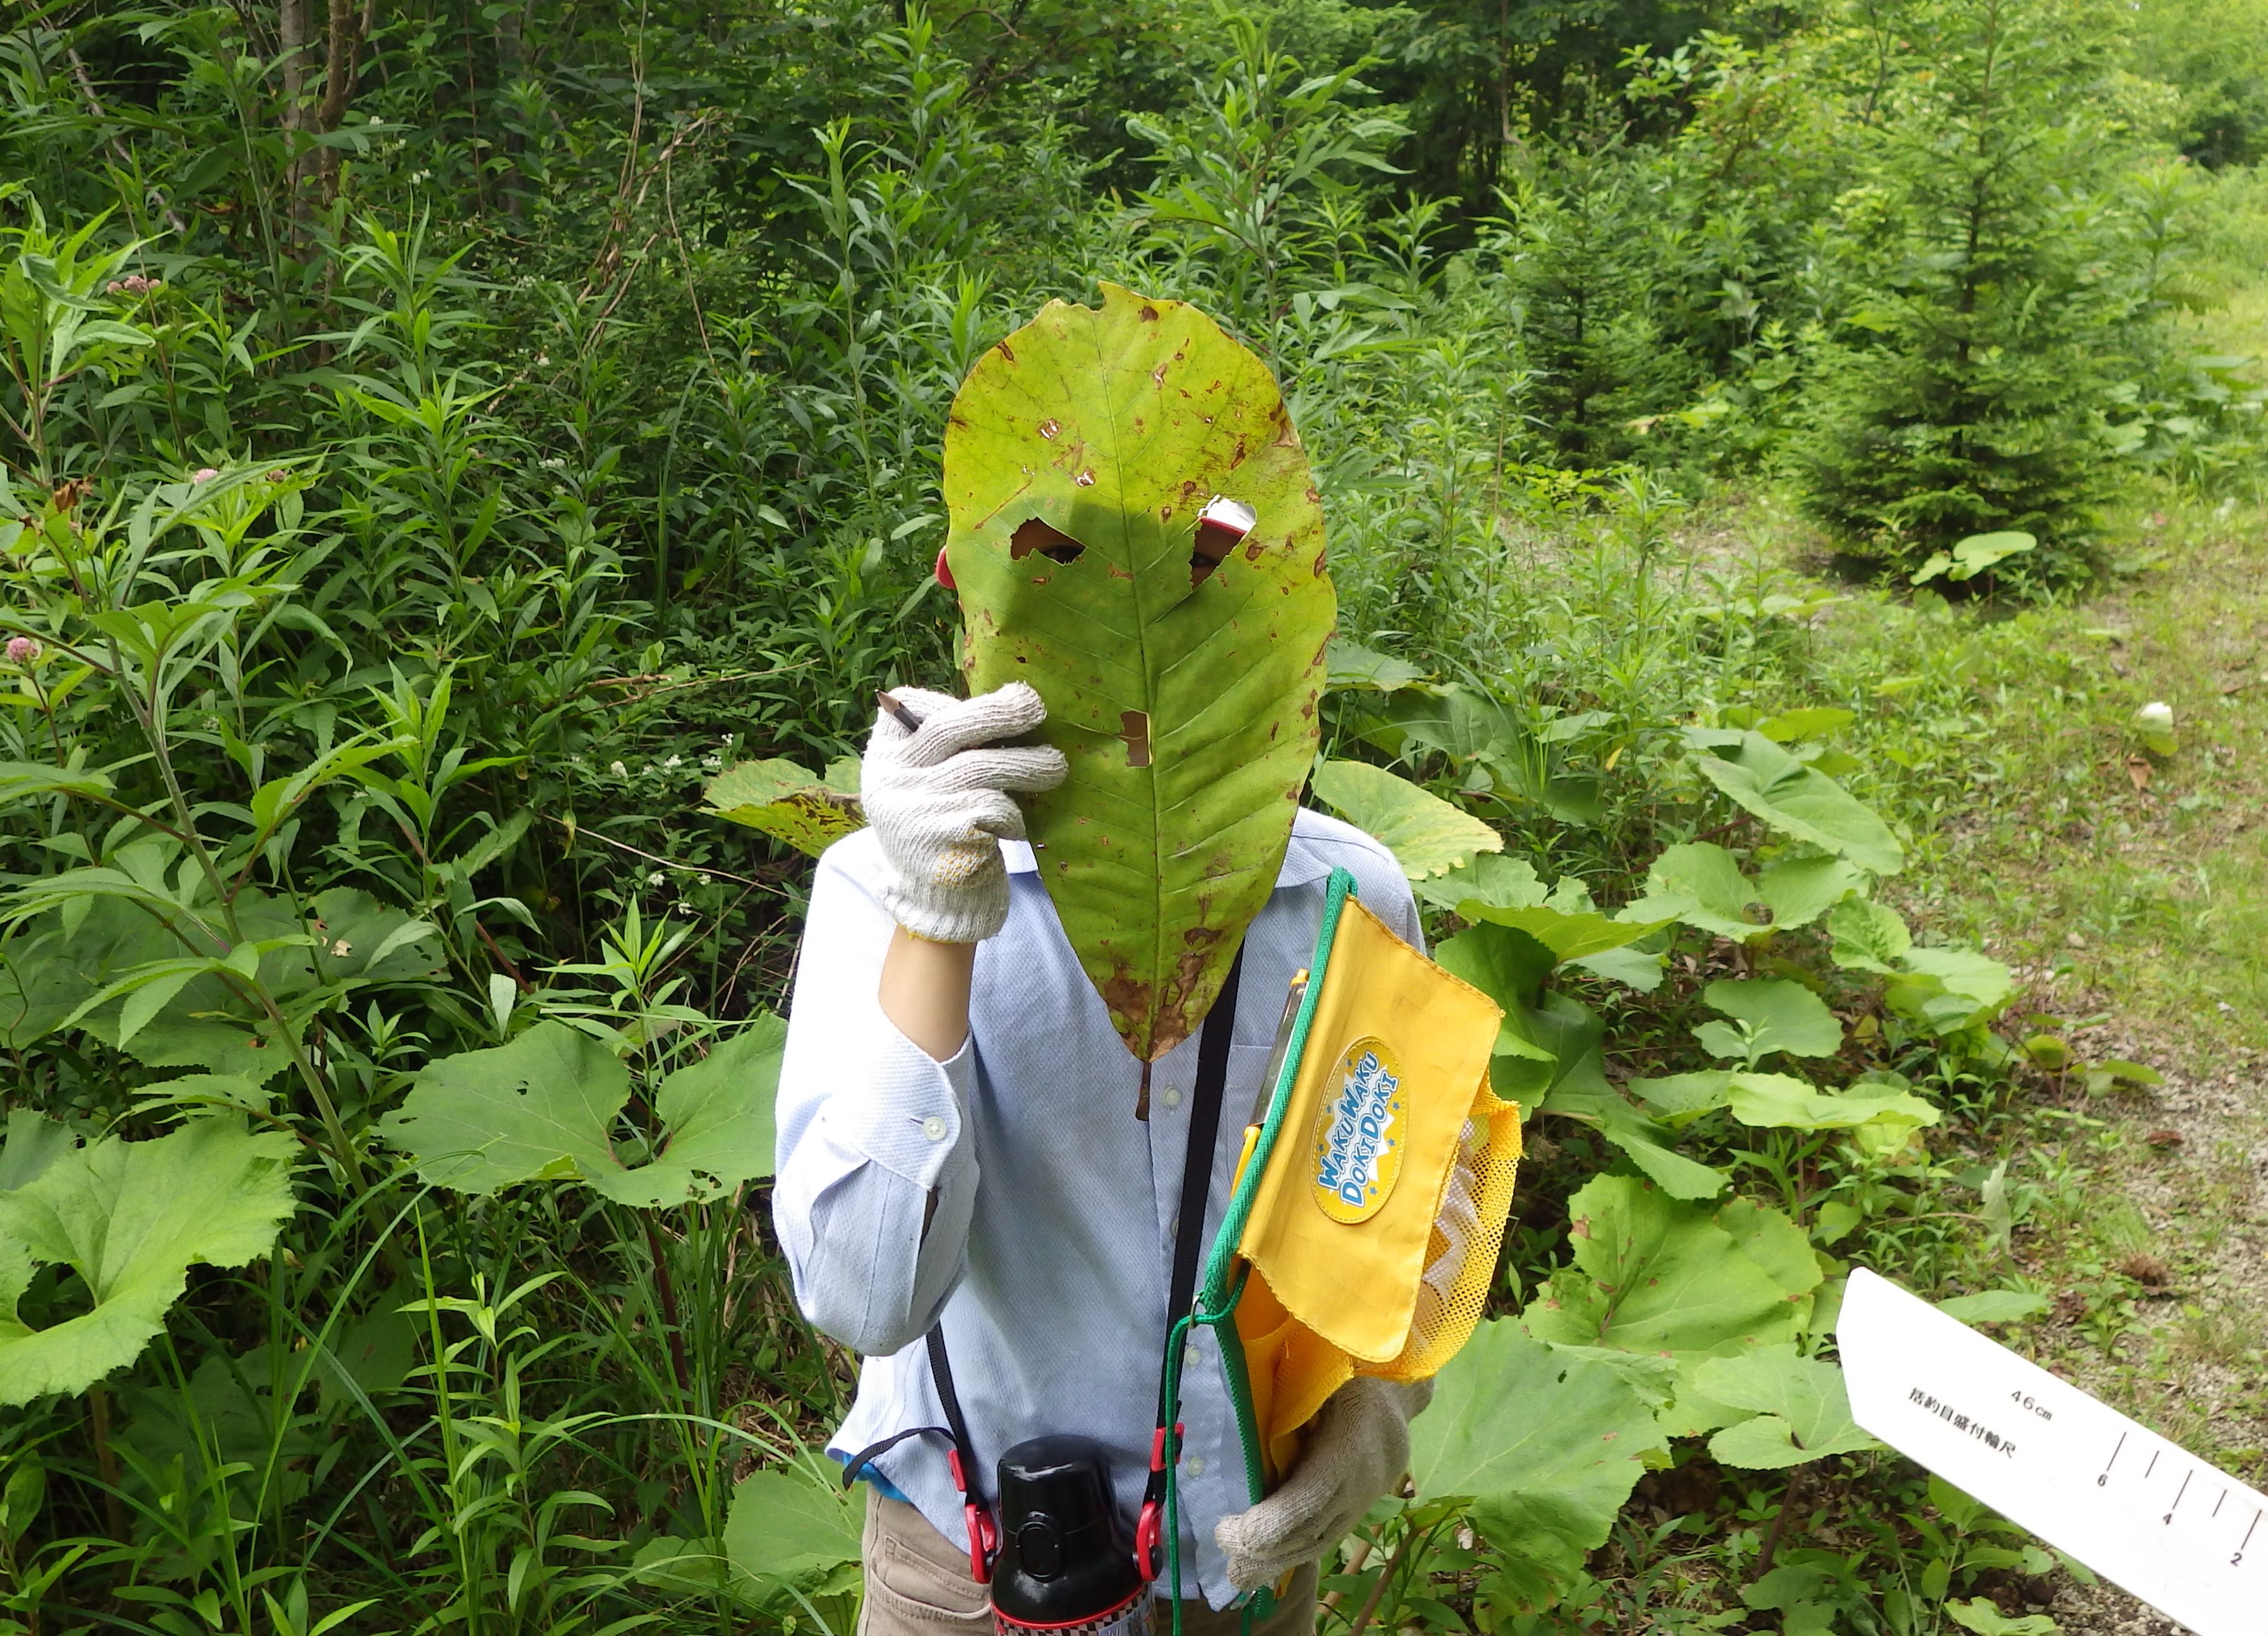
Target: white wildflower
{"type": "Point", "coordinates": [2157, 715]}
{"type": "Point", "coordinates": [618, 770]}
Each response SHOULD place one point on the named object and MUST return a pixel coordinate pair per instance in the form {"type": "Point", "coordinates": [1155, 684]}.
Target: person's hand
{"type": "Point", "coordinates": [1355, 1450]}
{"type": "Point", "coordinates": [938, 799]}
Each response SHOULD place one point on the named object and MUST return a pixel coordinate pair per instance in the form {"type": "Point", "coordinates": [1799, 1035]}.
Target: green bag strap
{"type": "Point", "coordinates": [1222, 1287]}
{"type": "Point", "coordinates": [1213, 1292]}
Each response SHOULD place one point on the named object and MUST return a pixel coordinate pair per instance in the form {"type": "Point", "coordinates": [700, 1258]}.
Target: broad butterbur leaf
{"type": "Point", "coordinates": [545, 1107]}
{"type": "Point", "coordinates": [781, 799]}
{"type": "Point", "coordinates": [1570, 935]}
{"type": "Point", "coordinates": [1773, 1242]}
{"type": "Point", "coordinates": [1868, 936]}
{"type": "Point", "coordinates": [1548, 1444]}
{"type": "Point", "coordinates": [1800, 801]}
{"type": "Point", "coordinates": [1810, 721]}
{"type": "Point", "coordinates": [1769, 1015]}
{"type": "Point", "coordinates": [1427, 835]}
{"type": "Point", "coordinates": [1701, 884]}
{"type": "Point", "coordinates": [1802, 1411]}
{"type": "Point", "coordinates": [791, 1524]}
{"type": "Point", "coordinates": [131, 1219]}
{"type": "Point", "coordinates": [1353, 665]}
{"type": "Point", "coordinates": [1799, 890]}
{"type": "Point", "coordinates": [1780, 1101]}
{"type": "Point", "coordinates": [1949, 988]}
{"type": "Point", "coordinates": [1181, 674]}
{"type": "Point", "coordinates": [29, 1143]}
{"type": "Point", "coordinates": [1491, 880]}
{"type": "Point", "coordinates": [1634, 968]}
{"type": "Point", "coordinates": [1975, 554]}
{"type": "Point", "coordinates": [1981, 1615]}
{"type": "Point", "coordinates": [1544, 1038]}
{"type": "Point", "coordinates": [1993, 1306]}
{"type": "Point", "coordinates": [1653, 1274]}
{"type": "Point", "coordinates": [1775, 1102]}
{"type": "Point", "coordinates": [1643, 1142]}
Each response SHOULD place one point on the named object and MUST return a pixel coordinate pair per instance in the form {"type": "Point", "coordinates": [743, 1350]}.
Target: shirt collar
{"type": "Point", "coordinates": [1303, 859]}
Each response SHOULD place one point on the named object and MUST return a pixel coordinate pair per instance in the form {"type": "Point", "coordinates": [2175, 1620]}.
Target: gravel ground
{"type": "Point", "coordinates": [2195, 1165]}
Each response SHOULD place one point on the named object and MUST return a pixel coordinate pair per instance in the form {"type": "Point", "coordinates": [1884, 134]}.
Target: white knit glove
{"type": "Point", "coordinates": [938, 805]}
{"type": "Point", "coordinates": [1356, 1449]}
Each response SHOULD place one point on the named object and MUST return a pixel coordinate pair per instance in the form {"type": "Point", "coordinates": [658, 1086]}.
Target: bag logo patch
{"type": "Point", "coordinates": [1358, 1136]}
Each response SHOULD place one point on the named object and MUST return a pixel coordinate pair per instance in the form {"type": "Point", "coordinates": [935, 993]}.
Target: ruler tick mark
{"type": "Point", "coordinates": [2152, 1466]}
{"type": "Point", "coordinates": [2178, 1492]}
{"type": "Point", "coordinates": [2248, 1532]}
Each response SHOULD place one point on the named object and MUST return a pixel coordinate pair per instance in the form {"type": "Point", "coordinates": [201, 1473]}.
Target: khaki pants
{"type": "Point", "coordinates": [918, 1584]}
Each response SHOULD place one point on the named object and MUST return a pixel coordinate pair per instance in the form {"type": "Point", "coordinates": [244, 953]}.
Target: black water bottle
{"type": "Point", "coordinates": [1066, 1563]}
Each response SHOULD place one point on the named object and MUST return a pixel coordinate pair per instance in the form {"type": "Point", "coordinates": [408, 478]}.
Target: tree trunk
{"type": "Point", "coordinates": [343, 46]}
{"type": "Point", "coordinates": [510, 62]}
{"type": "Point", "coordinates": [292, 35]}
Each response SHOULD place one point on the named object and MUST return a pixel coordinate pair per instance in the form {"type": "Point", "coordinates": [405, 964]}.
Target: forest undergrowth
{"type": "Point", "coordinates": [1794, 481]}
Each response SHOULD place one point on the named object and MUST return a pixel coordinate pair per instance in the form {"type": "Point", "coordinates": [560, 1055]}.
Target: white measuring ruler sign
{"type": "Point", "coordinates": [2187, 1538]}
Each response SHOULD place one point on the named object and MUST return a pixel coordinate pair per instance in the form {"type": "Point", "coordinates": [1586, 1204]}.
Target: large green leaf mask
{"type": "Point", "coordinates": [1080, 455]}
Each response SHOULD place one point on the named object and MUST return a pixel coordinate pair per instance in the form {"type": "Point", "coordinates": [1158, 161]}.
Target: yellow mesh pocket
{"type": "Point", "coordinates": [1468, 1230]}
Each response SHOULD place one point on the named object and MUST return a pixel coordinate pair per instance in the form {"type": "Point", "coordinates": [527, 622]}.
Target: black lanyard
{"type": "Point", "coordinates": [1217, 1034]}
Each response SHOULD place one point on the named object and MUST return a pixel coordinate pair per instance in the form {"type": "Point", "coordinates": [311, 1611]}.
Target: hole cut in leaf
{"type": "Point", "coordinates": [1036, 534]}
{"type": "Point", "coordinates": [1134, 730]}
{"type": "Point", "coordinates": [1221, 525]}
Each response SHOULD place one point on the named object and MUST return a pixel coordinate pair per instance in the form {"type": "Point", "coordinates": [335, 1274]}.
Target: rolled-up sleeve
{"type": "Point", "coordinates": [871, 1128]}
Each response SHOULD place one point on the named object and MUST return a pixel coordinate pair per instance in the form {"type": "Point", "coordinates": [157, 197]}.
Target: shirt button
{"type": "Point", "coordinates": [1194, 1466]}
{"type": "Point", "coordinates": [933, 1128]}
{"type": "Point", "coordinates": [1191, 1357]}
{"type": "Point", "coordinates": [1173, 1097]}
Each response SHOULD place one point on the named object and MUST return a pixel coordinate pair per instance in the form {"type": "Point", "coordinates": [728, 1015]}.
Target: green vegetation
{"type": "Point", "coordinates": [1793, 488]}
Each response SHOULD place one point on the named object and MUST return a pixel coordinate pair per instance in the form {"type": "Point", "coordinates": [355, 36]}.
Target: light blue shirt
{"type": "Point", "coordinates": [1050, 1249]}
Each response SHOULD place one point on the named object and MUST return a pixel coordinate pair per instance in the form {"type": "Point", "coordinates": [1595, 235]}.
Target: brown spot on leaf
{"type": "Point", "coordinates": [1128, 1001]}
{"type": "Point", "coordinates": [1007, 351]}
{"type": "Point", "coordinates": [1149, 313]}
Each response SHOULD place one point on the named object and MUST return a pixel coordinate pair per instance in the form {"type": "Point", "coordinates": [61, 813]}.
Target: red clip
{"type": "Point", "coordinates": [1158, 1445]}
{"type": "Point", "coordinates": [1150, 1529]}
{"type": "Point", "coordinates": [983, 1533]}
{"type": "Point", "coordinates": [983, 1542]}
{"type": "Point", "coordinates": [944, 572]}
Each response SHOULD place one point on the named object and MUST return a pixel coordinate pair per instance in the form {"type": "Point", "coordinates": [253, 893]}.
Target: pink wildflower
{"type": "Point", "coordinates": [204, 474]}
{"type": "Point", "coordinates": [22, 649]}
